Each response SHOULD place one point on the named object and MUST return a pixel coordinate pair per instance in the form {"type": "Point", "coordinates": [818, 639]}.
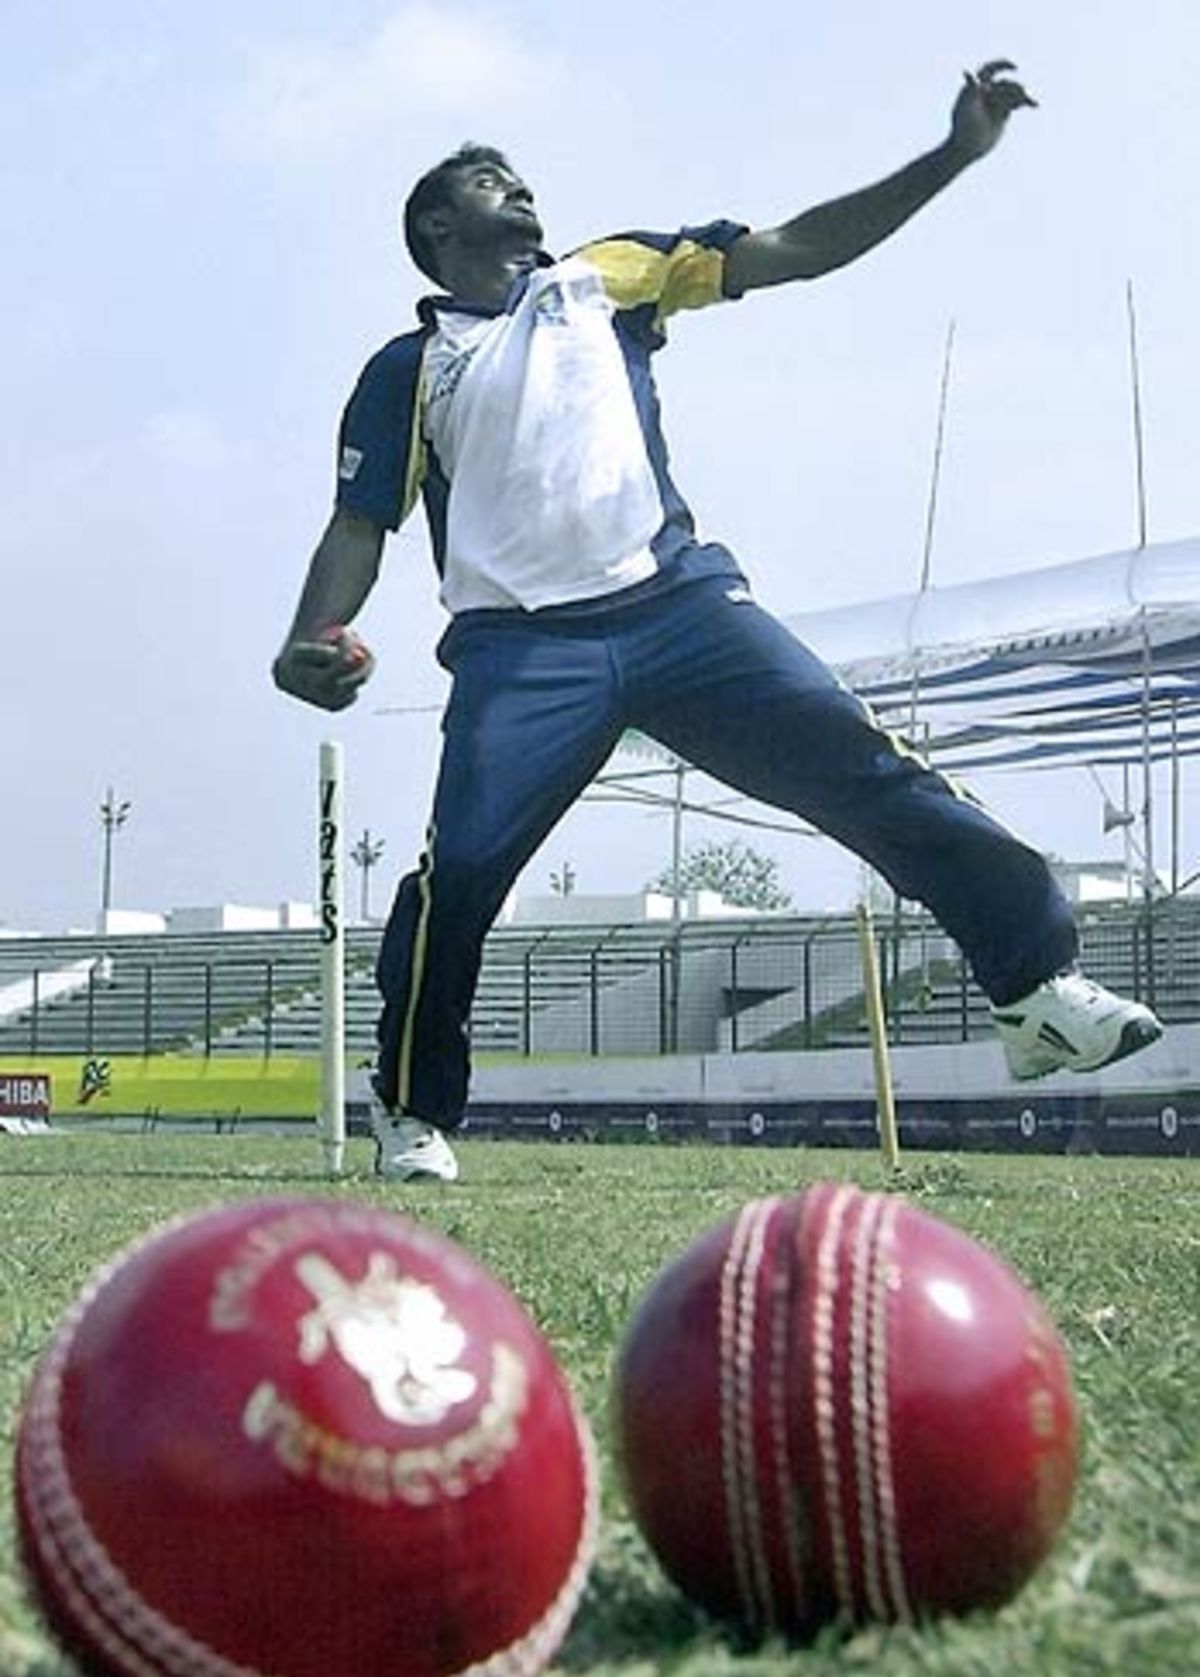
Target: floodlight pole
{"type": "Point", "coordinates": [114, 813]}
{"type": "Point", "coordinates": [365, 855]}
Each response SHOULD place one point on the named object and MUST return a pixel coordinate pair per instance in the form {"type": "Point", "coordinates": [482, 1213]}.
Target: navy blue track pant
{"type": "Point", "coordinates": [535, 711]}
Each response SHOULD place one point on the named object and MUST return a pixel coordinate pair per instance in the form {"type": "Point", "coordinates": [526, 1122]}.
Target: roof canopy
{"type": "Point", "coordinates": [1095, 661]}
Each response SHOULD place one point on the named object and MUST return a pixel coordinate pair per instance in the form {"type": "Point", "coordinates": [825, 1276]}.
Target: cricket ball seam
{"type": "Point", "coordinates": [825, 1395]}
{"type": "Point", "coordinates": [862, 1257]}
{"type": "Point", "coordinates": [883, 1279]}
{"type": "Point", "coordinates": [747, 1365]}
{"type": "Point", "coordinates": [728, 1329]}
{"type": "Point", "coordinates": [789, 1490]}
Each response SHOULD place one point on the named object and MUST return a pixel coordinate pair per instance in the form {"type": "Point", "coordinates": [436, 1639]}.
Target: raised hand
{"type": "Point", "coordinates": [987, 99]}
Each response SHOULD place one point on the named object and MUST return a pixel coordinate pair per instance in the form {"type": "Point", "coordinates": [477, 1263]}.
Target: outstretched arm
{"type": "Point", "coordinates": [341, 574]}
{"type": "Point", "coordinates": [832, 234]}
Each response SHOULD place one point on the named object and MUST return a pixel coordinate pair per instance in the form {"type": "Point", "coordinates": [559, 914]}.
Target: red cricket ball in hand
{"type": "Point", "coordinates": [837, 1408]}
{"type": "Point", "coordinates": [354, 650]}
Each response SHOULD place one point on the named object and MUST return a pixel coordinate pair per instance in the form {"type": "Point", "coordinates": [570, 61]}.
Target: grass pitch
{"type": "Point", "coordinates": [1112, 1246]}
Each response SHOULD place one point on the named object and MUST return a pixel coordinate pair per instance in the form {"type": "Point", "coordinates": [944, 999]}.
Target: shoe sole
{"type": "Point", "coordinates": [1135, 1035]}
{"type": "Point", "coordinates": [414, 1176]}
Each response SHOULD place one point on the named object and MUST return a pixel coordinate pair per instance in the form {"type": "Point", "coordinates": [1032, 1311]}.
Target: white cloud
{"type": "Point", "coordinates": [308, 98]}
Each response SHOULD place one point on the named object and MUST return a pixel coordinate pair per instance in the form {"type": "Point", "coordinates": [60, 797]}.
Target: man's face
{"type": "Point", "coordinates": [491, 205]}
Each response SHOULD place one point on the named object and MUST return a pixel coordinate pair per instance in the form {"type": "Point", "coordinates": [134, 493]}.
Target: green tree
{"type": "Point", "coordinates": [742, 875]}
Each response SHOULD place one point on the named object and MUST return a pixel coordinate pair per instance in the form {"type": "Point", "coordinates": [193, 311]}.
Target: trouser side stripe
{"type": "Point", "coordinates": [420, 952]}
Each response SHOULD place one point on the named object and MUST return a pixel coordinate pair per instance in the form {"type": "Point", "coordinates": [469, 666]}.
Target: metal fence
{"type": "Point", "coordinates": [787, 983]}
{"type": "Point", "coordinates": [713, 986]}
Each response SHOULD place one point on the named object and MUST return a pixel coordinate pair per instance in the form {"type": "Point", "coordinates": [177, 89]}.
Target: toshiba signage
{"type": "Point", "coordinates": [24, 1094]}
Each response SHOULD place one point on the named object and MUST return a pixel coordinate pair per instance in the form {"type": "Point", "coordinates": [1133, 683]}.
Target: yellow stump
{"type": "Point", "coordinates": [889, 1140]}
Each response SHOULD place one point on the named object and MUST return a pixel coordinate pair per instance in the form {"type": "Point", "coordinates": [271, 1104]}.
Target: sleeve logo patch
{"type": "Point", "coordinates": [351, 460]}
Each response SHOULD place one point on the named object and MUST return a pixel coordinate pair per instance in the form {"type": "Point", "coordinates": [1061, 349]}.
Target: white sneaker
{"type": "Point", "coordinates": [1070, 1022]}
{"type": "Point", "coordinates": [407, 1148]}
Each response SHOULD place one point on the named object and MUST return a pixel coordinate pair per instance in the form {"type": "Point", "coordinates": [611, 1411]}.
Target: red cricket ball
{"type": "Point", "coordinates": [302, 1437]}
{"type": "Point", "coordinates": [354, 650]}
{"type": "Point", "coordinates": [837, 1408]}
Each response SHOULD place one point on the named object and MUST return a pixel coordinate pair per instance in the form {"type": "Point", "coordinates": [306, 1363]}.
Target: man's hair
{"type": "Point", "coordinates": [432, 191]}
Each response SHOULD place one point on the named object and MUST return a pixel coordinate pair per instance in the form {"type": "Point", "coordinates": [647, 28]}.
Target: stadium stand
{"type": "Point", "coordinates": [761, 983]}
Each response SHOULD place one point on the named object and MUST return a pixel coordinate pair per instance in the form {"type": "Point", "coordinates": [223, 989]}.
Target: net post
{"type": "Point", "coordinates": [332, 931]}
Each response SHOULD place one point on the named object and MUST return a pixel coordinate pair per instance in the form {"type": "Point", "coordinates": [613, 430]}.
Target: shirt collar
{"type": "Point", "coordinates": [429, 307]}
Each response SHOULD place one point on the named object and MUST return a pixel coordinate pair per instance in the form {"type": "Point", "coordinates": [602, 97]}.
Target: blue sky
{"type": "Point", "coordinates": [201, 210]}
